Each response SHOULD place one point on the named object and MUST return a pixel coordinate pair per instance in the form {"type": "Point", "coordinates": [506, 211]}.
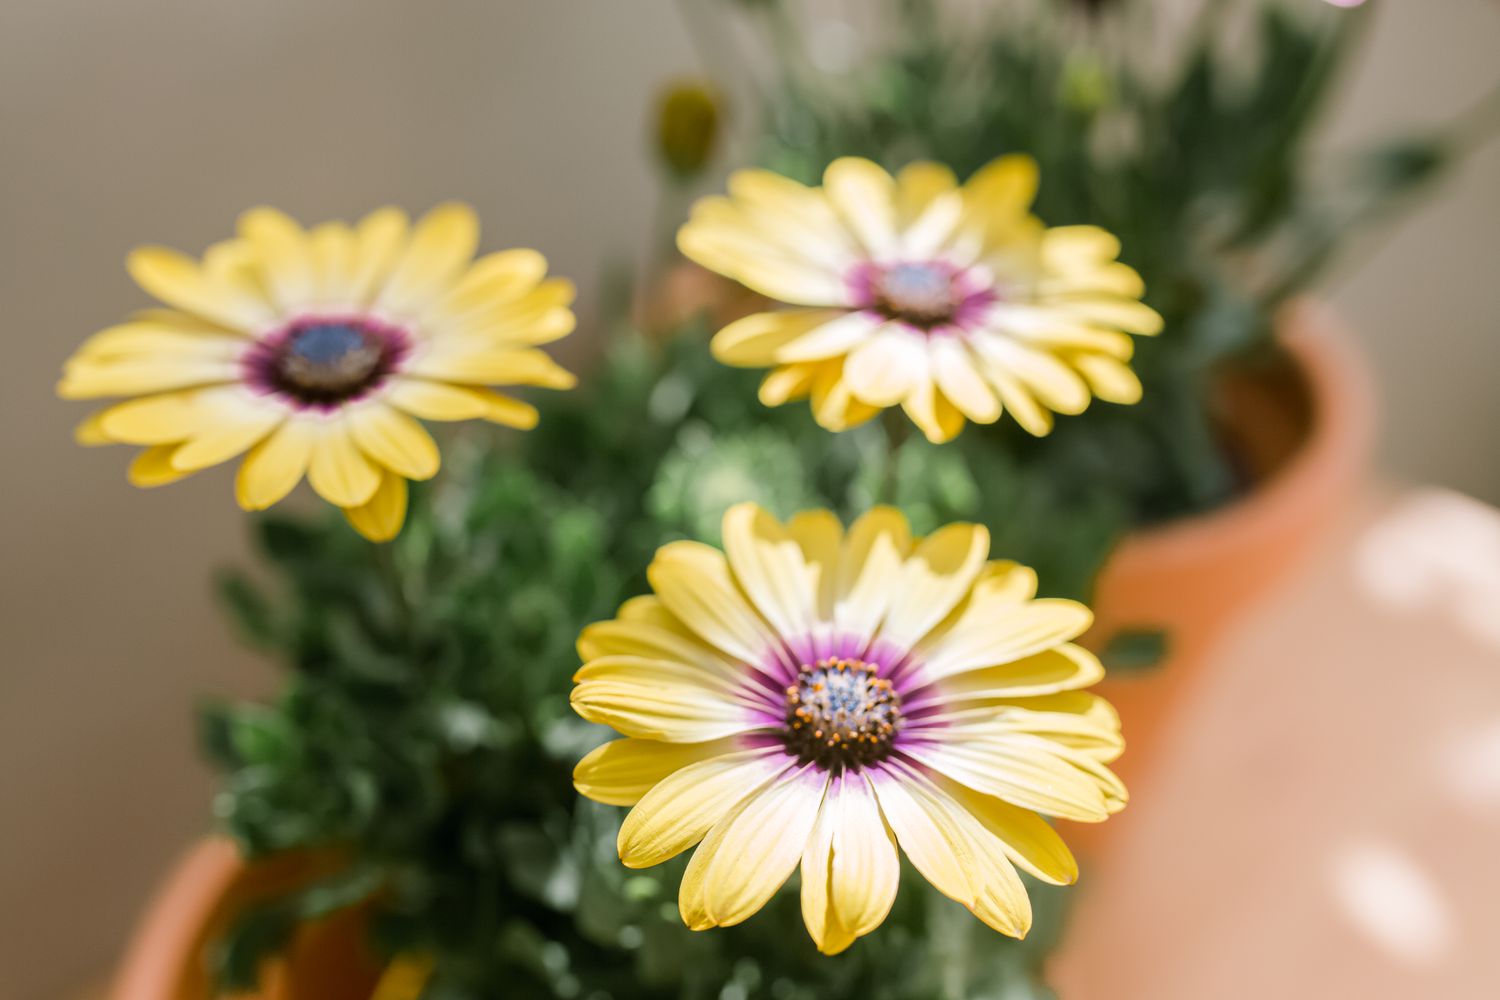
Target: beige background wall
{"type": "Point", "coordinates": [127, 121]}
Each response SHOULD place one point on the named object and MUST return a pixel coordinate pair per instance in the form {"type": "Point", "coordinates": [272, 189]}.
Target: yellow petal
{"type": "Point", "coordinates": [1030, 772]}
{"type": "Point", "coordinates": [153, 467]}
{"type": "Point", "coordinates": [437, 400]}
{"type": "Point", "coordinates": [686, 804]}
{"type": "Point", "coordinates": [1124, 314]}
{"type": "Point", "coordinates": [339, 471]}
{"type": "Point", "coordinates": [495, 278]}
{"type": "Point", "coordinates": [767, 563]}
{"type": "Point", "coordinates": [762, 844]}
{"type": "Point", "coordinates": [763, 268]}
{"type": "Point", "coordinates": [234, 428]}
{"type": "Point", "coordinates": [864, 195]}
{"type": "Point", "coordinates": [332, 247]}
{"type": "Point", "coordinates": [1029, 840]}
{"type": "Point", "coordinates": [1004, 188]}
{"type": "Point", "coordinates": [274, 467]}
{"type": "Point", "coordinates": [820, 536]}
{"type": "Point", "coordinates": [283, 254]}
{"type": "Point", "coordinates": [379, 240]}
{"type": "Point", "coordinates": [818, 912]}
{"type": "Point", "coordinates": [1066, 668]}
{"type": "Point", "coordinates": [620, 772]}
{"type": "Point", "coordinates": [662, 704]}
{"type": "Point", "coordinates": [874, 551]}
{"type": "Point", "coordinates": [994, 632]}
{"type": "Point", "coordinates": [888, 365]}
{"type": "Point", "coordinates": [394, 440]}
{"type": "Point", "coordinates": [510, 412]}
{"type": "Point", "coordinates": [957, 375]}
{"type": "Point", "coordinates": [931, 840]}
{"type": "Point", "coordinates": [85, 378]}
{"type": "Point", "coordinates": [939, 420]}
{"type": "Point", "coordinates": [152, 339]}
{"type": "Point", "coordinates": [177, 280]}
{"type": "Point", "coordinates": [648, 638]}
{"type": "Point", "coordinates": [1110, 380]}
{"type": "Point", "coordinates": [161, 419]}
{"type": "Point", "coordinates": [694, 582]}
{"type": "Point", "coordinates": [1034, 418]}
{"type": "Point", "coordinates": [380, 518]}
{"type": "Point", "coordinates": [833, 404]}
{"type": "Point", "coordinates": [473, 361]}
{"type": "Point", "coordinates": [758, 340]}
{"type": "Point", "coordinates": [90, 431]}
{"type": "Point", "coordinates": [918, 185]}
{"type": "Point", "coordinates": [933, 580]}
{"type": "Point", "coordinates": [787, 383]}
{"type": "Point", "coordinates": [866, 869]}
{"type": "Point", "coordinates": [442, 244]}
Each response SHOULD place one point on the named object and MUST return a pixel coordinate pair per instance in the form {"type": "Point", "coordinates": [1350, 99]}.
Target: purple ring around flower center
{"type": "Point", "coordinates": [325, 362]}
{"type": "Point", "coordinates": [838, 701]}
{"type": "Point", "coordinates": [930, 296]}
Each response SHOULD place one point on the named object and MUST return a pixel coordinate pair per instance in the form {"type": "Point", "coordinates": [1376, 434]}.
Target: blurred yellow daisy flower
{"type": "Point", "coordinates": [818, 697]}
{"type": "Point", "coordinates": [310, 352]}
{"type": "Point", "coordinates": [954, 302]}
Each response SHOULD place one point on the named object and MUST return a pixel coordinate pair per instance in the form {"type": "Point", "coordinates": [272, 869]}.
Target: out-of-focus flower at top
{"type": "Point", "coordinates": [820, 697]}
{"type": "Point", "coordinates": [687, 126]}
{"type": "Point", "coordinates": [955, 303]}
{"type": "Point", "coordinates": [311, 352]}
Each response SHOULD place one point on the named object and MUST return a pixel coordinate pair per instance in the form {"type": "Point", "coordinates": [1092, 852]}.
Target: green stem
{"type": "Point", "coordinates": [395, 587]}
{"type": "Point", "coordinates": [897, 429]}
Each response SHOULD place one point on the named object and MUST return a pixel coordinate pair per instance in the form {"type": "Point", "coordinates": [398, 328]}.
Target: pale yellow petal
{"type": "Point", "coordinates": [994, 632]}
{"type": "Point", "coordinates": [762, 844]}
{"type": "Point", "coordinates": [767, 563]}
{"type": "Point", "coordinates": [787, 383]}
{"type": "Point", "coordinates": [86, 378]}
{"type": "Point", "coordinates": [441, 246]}
{"type": "Point", "coordinates": [820, 535]}
{"type": "Point", "coordinates": [621, 772]}
{"type": "Point", "coordinates": [476, 362]}
{"type": "Point", "coordinates": [864, 196]}
{"type": "Point", "coordinates": [955, 370]}
{"type": "Point", "coordinates": [1065, 668]}
{"type": "Point", "coordinates": [694, 582]}
{"type": "Point", "coordinates": [888, 365]}
{"type": "Point", "coordinates": [379, 241]}
{"type": "Point", "coordinates": [874, 551]}
{"type": "Point", "coordinates": [1030, 842]}
{"type": "Point", "coordinates": [394, 440]}
{"type": "Point", "coordinates": [1026, 771]}
{"type": "Point", "coordinates": [231, 424]}
{"type": "Point", "coordinates": [494, 279]}
{"type": "Point", "coordinates": [274, 467]}
{"type": "Point", "coordinates": [1110, 380]}
{"type": "Point", "coordinates": [936, 577]}
{"type": "Point", "coordinates": [283, 255]}
{"type": "Point", "coordinates": [153, 467]}
{"type": "Point", "coordinates": [179, 281]}
{"type": "Point", "coordinates": [338, 470]}
{"type": "Point", "coordinates": [380, 518]}
{"type": "Point", "coordinates": [686, 804]}
{"type": "Point", "coordinates": [437, 400]}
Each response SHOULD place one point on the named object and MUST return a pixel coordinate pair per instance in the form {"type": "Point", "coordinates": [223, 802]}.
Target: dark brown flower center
{"type": "Point", "coordinates": [323, 362]}
{"type": "Point", "coordinates": [840, 714]}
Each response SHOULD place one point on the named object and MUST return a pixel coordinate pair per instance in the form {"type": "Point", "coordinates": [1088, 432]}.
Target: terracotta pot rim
{"type": "Point", "coordinates": [169, 935]}
{"type": "Point", "coordinates": [1341, 385]}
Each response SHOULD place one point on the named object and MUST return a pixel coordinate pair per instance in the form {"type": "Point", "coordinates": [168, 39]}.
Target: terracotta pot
{"type": "Point", "coordinates": [167, 959]}
{"type": "Point", "coordinates": [1305, 432]}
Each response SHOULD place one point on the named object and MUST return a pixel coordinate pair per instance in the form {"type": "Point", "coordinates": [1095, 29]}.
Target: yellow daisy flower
{"type": "Point", "coordinates": [954, 302]}
{"type": "Point", "coordinates": [310, 352]}
{"type": "Point", "coordinates": [820, 697]}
